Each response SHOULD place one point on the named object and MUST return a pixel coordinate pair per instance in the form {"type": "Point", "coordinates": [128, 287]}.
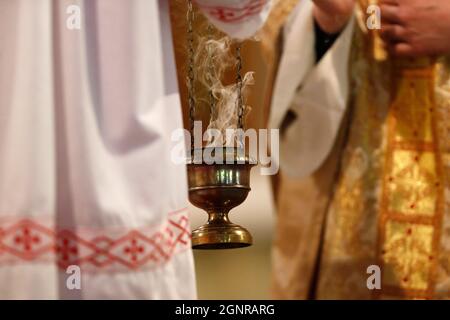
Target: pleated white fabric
{"type": "Point", "coordinates": [86, 178]}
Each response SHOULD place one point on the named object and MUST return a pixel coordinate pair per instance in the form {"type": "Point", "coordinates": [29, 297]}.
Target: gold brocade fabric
{"type": "Point", "coordinates": [391, 205]}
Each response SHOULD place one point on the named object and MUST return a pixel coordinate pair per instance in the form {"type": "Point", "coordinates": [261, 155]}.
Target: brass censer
{"type": "Point", "coordinates": [217, 187]}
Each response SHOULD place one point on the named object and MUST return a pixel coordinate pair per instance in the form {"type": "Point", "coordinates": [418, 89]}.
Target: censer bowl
{"type": "Point", "coordinates": [218, 188]}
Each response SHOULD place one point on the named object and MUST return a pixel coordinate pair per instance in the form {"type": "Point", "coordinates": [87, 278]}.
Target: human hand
{"type": "Point", "coordinates": [414, 28]}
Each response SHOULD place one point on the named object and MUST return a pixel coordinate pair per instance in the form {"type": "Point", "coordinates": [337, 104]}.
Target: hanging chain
{"type": "Point", "coordinates": [211, 75]}
{"type": "Point", "coordinates": [190, 68]}
{"type": "Point", "coordinates": [191, 76]}
{"type": "Point", "coordinates": [240, 100]}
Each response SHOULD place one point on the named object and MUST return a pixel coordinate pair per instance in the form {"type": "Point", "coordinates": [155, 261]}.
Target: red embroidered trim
{"type": "Point", "coordinates": [233, 14]}
{"type": "Point", "coordinates": [29, 240]}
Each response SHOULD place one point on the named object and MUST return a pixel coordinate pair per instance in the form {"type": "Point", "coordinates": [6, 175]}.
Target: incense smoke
{"type": "Point", "coordinates": [213, 58]}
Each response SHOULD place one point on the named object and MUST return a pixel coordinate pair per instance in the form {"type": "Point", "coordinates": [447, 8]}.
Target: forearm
{"type": "Point", "coordinates": [239, 19]}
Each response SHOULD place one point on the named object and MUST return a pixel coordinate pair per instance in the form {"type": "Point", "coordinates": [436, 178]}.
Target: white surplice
{"type": "Point", "coordinates": [86, 178]}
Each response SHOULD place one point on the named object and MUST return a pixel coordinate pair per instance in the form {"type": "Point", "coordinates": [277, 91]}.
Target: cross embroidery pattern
{"type": "Point", "coordinates": [31, 240]}
{"type": "Point", "coordinates": [234, 14]}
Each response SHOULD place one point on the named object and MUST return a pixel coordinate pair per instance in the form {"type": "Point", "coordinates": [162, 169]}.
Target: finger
{"type": "Point", "coordinates": [388, 2]}
{"type": "Point", "coordinates": [390, 14]}
{"type": "Point", "coordinates": [401, 50]}
{"type": "Point", "coordinates": [393, 33]}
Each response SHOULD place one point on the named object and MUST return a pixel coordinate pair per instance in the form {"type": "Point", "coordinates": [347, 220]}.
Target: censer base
{"type": "Point", "coordinates": [223, 236]}
{"type": "Point", "coordinates": [217, 189]}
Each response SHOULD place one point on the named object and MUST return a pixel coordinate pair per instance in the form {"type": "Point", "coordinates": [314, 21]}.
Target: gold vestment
{"type": "Point", "coordinates": [383, 196]}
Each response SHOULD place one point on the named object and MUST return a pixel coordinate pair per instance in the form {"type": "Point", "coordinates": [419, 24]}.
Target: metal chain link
{"type": "Point", "coordinates": [212, 100]}
{"type": "Point", "coordinates": [191, 76]}
{"type": "Point", "coordinates": [190, 68]}
{"type": "Point", "coordinates": [240, 100]}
